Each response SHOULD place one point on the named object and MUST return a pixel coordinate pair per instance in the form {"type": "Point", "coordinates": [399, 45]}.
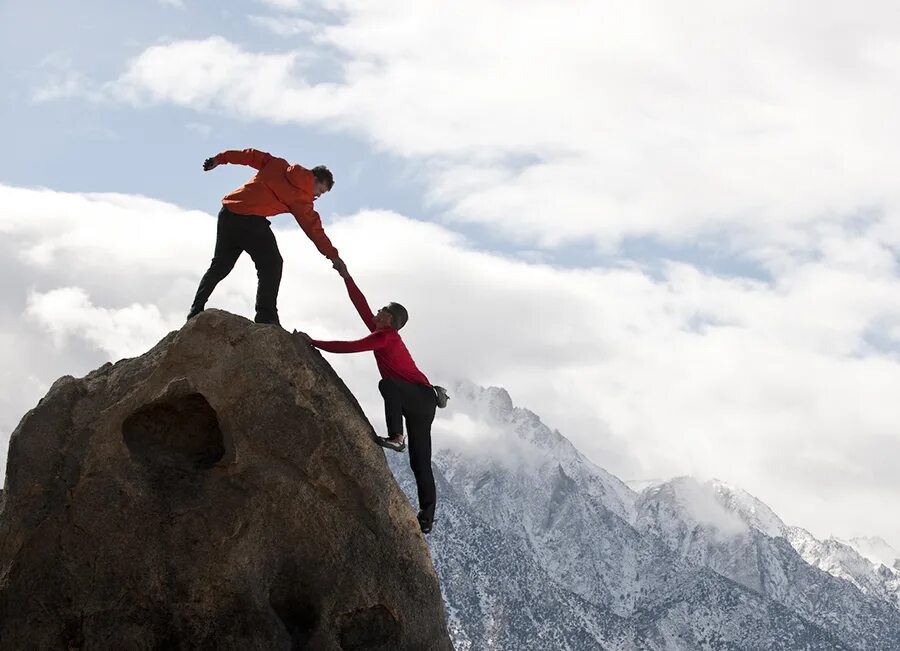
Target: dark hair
{"type": "Point", "coordinates": [399, 315]}
{"type": "Point", "coordinates": [324, 175]}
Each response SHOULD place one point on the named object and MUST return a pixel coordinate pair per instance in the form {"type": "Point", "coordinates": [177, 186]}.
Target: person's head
{"type": "Point", "coordinates": [391, 315]}
{"type": "Point", "coordinates": [324, 180]}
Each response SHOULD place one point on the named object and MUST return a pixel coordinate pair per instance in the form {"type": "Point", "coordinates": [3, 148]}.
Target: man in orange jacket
{"type": "Point", "coordinates": [277, 187]}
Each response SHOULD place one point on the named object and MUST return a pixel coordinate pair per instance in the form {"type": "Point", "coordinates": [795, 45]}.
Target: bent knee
{"type": "Point", "coordinates": [275, 262]}
{"type": "Point", "coordinates": [222, 265]}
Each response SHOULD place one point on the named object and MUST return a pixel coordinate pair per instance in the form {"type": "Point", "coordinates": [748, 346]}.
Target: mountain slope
{"type": "Point", "coordinates": [590, 535]}
{"type": "Point", "coordinates": [712, 525]}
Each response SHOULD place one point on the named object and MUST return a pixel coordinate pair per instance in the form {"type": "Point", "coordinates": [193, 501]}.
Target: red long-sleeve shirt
{"type": "Point", "coordinates": [276, 188]}
{"type": "Point", "coordinates": [391, 354]}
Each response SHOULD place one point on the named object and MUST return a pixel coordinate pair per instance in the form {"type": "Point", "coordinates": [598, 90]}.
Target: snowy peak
{"type": "Point", "coordinates": [727, 510]}
{"type": "Point", "coordinates": [724, 510]}
{"type": "Point", "coordinates": [494, 437]}
{"type": "Point", "coordinates": [493, 403]}
{"type": "Point", "coordinates": [843, 560]}
{"type": "Point", "coordinates": [492, 411]}
{"type": "Point", "coordinates": [876, 549]}
{"type": "Point", "coordinates": [748, 508]}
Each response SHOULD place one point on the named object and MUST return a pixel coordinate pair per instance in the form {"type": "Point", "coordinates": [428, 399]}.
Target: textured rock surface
{"type": "Point", "coordinates": [219, 492]}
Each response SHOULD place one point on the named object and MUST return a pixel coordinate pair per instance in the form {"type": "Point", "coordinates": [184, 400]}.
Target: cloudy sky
{"type": "Point", "coordinates": [671, 232]}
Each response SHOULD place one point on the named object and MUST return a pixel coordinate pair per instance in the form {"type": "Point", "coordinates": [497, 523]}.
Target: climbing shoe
{"type": "Point", "coordinates": [425, 524]}
{"type": "Point", "coordinates": [395, 443]}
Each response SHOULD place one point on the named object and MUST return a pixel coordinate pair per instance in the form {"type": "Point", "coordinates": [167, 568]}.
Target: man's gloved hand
{"type": "Point", "coordinates": [209, 164]}
{"type": "Point", "coordinates": [338, 264]}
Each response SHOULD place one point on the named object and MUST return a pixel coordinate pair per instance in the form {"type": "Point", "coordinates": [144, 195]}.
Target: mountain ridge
{"type": "Point", "coordinates": [665, 580]}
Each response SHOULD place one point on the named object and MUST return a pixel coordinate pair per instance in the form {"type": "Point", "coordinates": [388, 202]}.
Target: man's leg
{"type": "Point", "coordinates": [263, 248]}
{"type": "Point", "coordinates": [227, 251]}
{"type": "Point", "coordinates": [393, 407]}
{"type": "Point", "coordinates": [418, 426]}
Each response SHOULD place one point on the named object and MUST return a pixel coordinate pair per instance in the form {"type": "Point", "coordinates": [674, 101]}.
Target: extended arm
{"type": "Point", "coordinates": [360, 303]}
{"type": "Point", "coordinates": [374, 341]}
{"type": "Point", "coordinates": [311, 223]}
{"type": "Point", "coordinates": [252, 157]}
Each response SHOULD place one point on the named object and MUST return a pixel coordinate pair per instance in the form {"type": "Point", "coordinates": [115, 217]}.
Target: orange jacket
{"type": "Point", "coordinates": [277, 188]}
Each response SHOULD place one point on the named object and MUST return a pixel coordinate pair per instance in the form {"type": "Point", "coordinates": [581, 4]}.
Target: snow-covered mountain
{"type": "Point", "coordinates": [736, 535]}
{"type": "Point", "coordinates": [875, 549]}
{"type": "Point", "coordinates": [717, 500]}
{"type": "Point", "coordinates": [538, 548]}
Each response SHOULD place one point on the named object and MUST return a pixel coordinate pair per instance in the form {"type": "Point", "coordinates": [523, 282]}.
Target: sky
{"type": "Point", "coordinates": [672, 232]}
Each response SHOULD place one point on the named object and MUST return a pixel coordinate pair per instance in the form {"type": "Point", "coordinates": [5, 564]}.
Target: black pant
{"type": "Point", "coordinates": [234, 235]}
{"type": "Point", "coordinates": [416, 403]}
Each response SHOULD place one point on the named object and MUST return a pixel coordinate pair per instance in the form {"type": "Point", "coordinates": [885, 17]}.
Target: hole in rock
{"type": "Point", "coordinates": [369, 629]}
{"type": "Point", "coordinates": [182, 432]}
{"type": "Point", "coordinates": [298, 616]}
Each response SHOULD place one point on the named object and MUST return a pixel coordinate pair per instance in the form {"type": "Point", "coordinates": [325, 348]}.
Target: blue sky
{"type": "Point", "coordinates": [100, 146]}
{"type": "Point", "coordinates": [83, 144]}
{"type": "Point", "coordinates": [673, 234]}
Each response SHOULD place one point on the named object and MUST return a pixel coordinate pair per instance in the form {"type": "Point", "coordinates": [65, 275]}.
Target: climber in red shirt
{"type": "Point", "coordinates": [405, 389]}
{"type": "Point", "coordinates": [277, 187]}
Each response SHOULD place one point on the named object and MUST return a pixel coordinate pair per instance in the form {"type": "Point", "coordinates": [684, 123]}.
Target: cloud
{"type": "Point", "coordinates": [699, 504]}
{"type": "Point", "coordinates": [214, 74]}
{"type": "Point", "coordinates": [749, 125]}
{"type": "Point", "coordinates": [773, 386]}
{"type": "Point", "coordinates": [89, 232]}
{"type": "Point", "coordinates": [743, 131]}
{"type": "Point", "coordinates": [286, 5]}
{"type": "Point", "coordinates": [61, 80]}
{"type": "Point", "coordinates": [285, 26]}
{"type": "Point", "coordinates": [464, 430]}
{"type": "Point", "coordinates": [125, 332]}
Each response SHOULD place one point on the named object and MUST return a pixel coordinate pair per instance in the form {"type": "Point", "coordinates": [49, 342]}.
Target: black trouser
{"type": "Point", "coordinates": [416, 403]}
{"type": "Point", "coordinates": [234, 235]}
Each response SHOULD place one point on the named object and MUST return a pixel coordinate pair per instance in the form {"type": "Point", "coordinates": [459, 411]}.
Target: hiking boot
{"type": "Point", "coordinates": [193, 313]}
{"type": "Point", "coordinates": [395, 443]}
{"type": "Point", "coordinates": [425, 524]}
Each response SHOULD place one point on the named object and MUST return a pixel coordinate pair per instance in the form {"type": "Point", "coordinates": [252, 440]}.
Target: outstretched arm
{"type": "Point", "coordinates": [311, 223]}
{"type": "Point", "coordinates": [252, 157]}
{"type": "Point", "coordinates": [374, 341]}
{"type": "Point", "coordinates": [359, 302]}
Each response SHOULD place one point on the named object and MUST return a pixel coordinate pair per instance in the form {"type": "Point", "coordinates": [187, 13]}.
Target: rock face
{"type": "Point", "coordinates": [219, 492]}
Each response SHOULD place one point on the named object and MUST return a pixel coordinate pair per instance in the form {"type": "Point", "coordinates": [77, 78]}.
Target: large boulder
{"type": "Point", "coordinates": [221, 491]}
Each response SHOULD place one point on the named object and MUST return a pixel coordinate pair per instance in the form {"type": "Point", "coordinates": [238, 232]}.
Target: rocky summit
{"type": "Point", "coordinates": [221, 491]}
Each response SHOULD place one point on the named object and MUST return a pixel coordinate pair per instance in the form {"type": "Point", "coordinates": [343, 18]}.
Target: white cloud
{"type": "Point", "coordinates": [285, 26]}
{"type": "Point", "coordinates": [472, 435]}
{"type": "Point", "coordinates": [774, 386]}
{"type": "Point", "coordinates": [88, 232]}
{"type": "Point", "coordinates": [215, 74]}
{"type": "Point", "coordinates": [124, 332]}
{"type": "Point", "coordinates": [62, 81]}
{"type": "Point", "coordinates": [746, 122]}
{"type": "Point", "coordinates": [285, 5]}
{"type": "Point", "coordinates": [178, 4]}
{"type": "Point", "coordinates": [701, 505]}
